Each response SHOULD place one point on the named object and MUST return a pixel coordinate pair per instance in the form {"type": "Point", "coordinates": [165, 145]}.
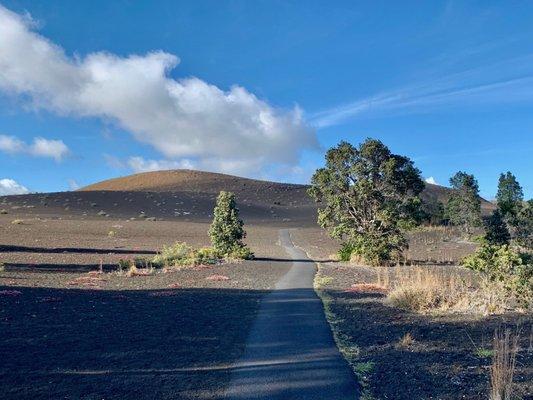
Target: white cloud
{"type": "Point", "coordinates": [182, 119]}
{"type": "Point", "coordinates": [139, 164]}
{"type": "Point", "coordinates": [40, 147]}
{"type": "Point", "coordinates": [431, 180]}
{"type": "Point", "coordinates": [9, 186]}
{"type": "Point", "coordinates": [55, 149]}
{"type": "Point", "coordinates": [73, 185]}
{"type": "Point", "coordinates": [11, 144]}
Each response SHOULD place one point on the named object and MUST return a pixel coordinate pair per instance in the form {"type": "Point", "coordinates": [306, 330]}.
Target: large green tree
{"type": "Point", "coordinates": [464, 206]}
{"type": "Point", "coordinates": [365, 194]}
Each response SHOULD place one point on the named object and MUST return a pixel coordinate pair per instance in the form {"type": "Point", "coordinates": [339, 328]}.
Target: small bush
{"type": "Point", "coordinates": [178, 254]}
{"type": "Point", "coordinates": [181, 254]}
{"type": "Point", "coordinates": [503, 264]}
{"type": "Point", "coordinates": [241, 253]}
{"type": "Point", "coordinates": [206, 255]}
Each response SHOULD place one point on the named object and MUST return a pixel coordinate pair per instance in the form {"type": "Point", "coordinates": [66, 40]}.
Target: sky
{"type": "Point", "coordinates": [91, 90]}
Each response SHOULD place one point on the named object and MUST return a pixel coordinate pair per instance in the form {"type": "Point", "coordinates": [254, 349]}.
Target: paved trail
{"type": "Point", "coordinates": [290, 353]}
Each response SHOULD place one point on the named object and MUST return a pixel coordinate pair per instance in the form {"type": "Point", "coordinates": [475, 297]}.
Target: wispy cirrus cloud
{"type": "Point", "coordinates": [504, 82]}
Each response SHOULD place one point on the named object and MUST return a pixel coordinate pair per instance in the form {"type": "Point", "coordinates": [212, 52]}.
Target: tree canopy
{"type": "Point", "coordinates": [227, 231]}
{"type": "Point", "coordinates": [464, 206]}
{"type": "Point", "coordinates": [509, 197]}
{"type": "Point", "coordinates": [365, 195]}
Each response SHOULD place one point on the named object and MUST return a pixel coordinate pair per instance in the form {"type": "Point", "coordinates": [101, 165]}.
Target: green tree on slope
{"type": "Point", "coordinates": [227, 230]}
{"type": "Point", "coordinates": [509, 197]}
{"type": "Point", "coordinates": [365, 195]}
{"type": "Point", "coordinates": [464, 206]}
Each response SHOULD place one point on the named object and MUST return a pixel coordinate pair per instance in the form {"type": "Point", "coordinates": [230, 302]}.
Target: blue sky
{"type": "Point", "coordinates": [95, 89]}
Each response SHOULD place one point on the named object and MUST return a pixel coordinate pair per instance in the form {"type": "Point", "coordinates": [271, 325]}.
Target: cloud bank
{"type": "Point", "coordinates": [40, 147]}
{"type": "Point", "coordinates": [9, 187]}
{"type": "Point", "coordinates": [184, 119]}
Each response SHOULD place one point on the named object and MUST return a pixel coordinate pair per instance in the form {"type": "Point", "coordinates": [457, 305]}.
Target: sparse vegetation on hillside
{"type": "Point", "coordinates": [366, 195]}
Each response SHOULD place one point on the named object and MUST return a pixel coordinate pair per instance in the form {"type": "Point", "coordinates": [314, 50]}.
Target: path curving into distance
{"type": "Point", "coordinates": [290, 352]}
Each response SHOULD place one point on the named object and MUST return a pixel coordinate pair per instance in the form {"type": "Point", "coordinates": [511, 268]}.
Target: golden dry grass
{"type": "Point", "coordinates": [434, 289]}
{"type": "Point", "coordinates": [505, 347]}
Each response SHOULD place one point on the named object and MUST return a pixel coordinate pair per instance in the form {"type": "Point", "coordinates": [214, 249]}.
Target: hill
{"type": "Point", "coordinates": [184, 195]}
{"type": "Point", "coordinates": [209, 182]}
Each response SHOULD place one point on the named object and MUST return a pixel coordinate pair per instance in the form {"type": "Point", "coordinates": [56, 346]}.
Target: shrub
{"type": "Point", "coordinates": [503, 264]}
{"type": "Point", "coordinates": [241, 253]}
{"type": "Point", "coordinates": [345, 252]}
{"type": "Point", "coordinates": [181, 254]}
{"type": "Point", "coordinates": [177, 254]}
{"type": "Point", "coordinates": [206, 255]}
{"type": "Point", "coordinates": [374, 251]}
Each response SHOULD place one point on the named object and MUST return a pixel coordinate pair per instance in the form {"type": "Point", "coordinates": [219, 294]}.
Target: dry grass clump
{"type": "Point", "coordinates": [406, 341]}
{"type": "Point", "coordinates": [423, 289]}
{"type": "Point", "coordinates": [439, 289]}
{"type": "Point", "coordinates": [135, 267]}
{"type": "Point", "coordinates": [505, 347]}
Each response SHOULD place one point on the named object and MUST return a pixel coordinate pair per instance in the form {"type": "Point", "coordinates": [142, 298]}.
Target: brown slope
{"type": "Point", "coordinates": [252, 189]}
{"type": "Point", "coordinates": [182, 195]}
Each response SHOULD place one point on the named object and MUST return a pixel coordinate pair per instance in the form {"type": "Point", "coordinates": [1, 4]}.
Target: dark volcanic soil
{"type": "Point", "coordinates": [70, 332]}
{"type": "Point", "coordinates": [443, 360]}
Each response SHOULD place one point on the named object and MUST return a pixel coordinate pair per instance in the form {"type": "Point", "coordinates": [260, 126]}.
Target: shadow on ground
{"type": "Point", "coordinates": [143, 344]}
{"type": "Point", "coordinates": [75, 250]}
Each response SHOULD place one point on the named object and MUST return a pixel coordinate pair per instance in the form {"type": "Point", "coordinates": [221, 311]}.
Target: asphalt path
{"type": "Point", "coordinates": [290, 352]}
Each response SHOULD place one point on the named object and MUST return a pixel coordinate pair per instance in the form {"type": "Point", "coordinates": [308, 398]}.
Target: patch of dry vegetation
{"type": "Point", "coordinates": [438, 290]}
{"type": "Point", "coordinates": [505, 348]}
